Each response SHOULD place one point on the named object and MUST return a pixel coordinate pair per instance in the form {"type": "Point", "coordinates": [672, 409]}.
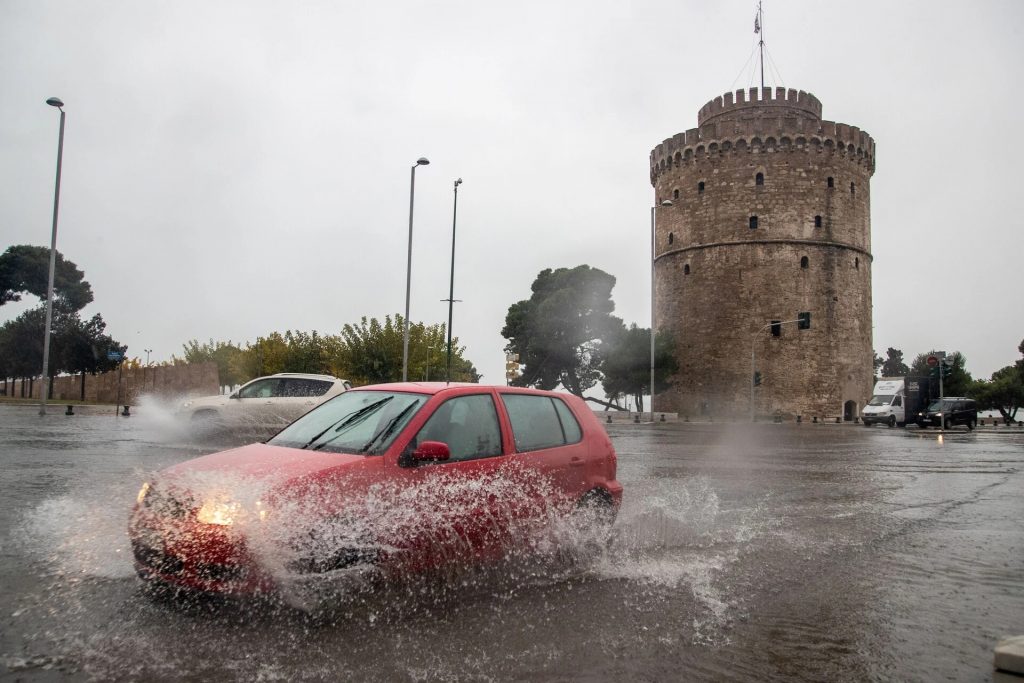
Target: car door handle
{"type": "Point", "coordinates": [577, 462]}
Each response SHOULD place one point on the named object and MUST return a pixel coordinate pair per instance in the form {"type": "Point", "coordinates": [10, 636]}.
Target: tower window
{"type": "Point", "coordinates": [804, 262]}
{"type": "Point", "coordinates": [753, 222]}
{"type": "Point", "coordinates": [817, 221]}
{"type": "Point", "coordinates": [759, 179]}
{"type": "Point", "coordinates": [776, 328]}
{"type": "Point", "coordinates": [686, 269]}
{"type": "Point", "coordinates": [853, 189]}
{"type": "Point", "coordinates": [671, 238]}
{"type": "Point", "coordinates": [700, 187]}
{"type": "Point", "coordinates": [831, 181]}
{"type": "Point", "coordinates": [856, 262]}
{"type": "Point", "coordinates": [675, 194]}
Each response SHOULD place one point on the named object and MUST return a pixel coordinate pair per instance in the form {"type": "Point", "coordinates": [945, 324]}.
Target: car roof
{"type": "Point", "coordinates": [303, 375]}
{"type": "Point", "coordinates": [432, 388]}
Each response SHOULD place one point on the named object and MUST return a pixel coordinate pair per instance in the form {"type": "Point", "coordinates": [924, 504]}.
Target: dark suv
{"type": "Point", "coordinates": [949, 411]}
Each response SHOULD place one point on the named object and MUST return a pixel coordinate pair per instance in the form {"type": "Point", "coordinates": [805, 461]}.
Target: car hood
{"type": "Point", "coordinates": [262, 461]}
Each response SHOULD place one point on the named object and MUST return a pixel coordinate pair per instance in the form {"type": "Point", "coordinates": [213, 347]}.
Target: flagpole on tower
{"type": "Point", "coordinates": [759, 29]}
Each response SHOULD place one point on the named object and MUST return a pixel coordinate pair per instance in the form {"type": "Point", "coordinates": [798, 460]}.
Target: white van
{"type": "Point", "coordinates": [887, 405]}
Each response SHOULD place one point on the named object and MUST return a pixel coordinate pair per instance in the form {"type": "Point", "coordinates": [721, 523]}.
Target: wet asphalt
{"type": "Point", "coordinates": [742, 552]}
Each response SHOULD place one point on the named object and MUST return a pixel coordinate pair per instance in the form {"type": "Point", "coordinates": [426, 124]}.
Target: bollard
{"type": "Point", "coordinates": [609, 418]}
{"type": "Point", "coordinates": [799, 419]}
{"type": "Point", "coordinates": [663, 417]}
{"type": "Point", "coordinates": [126, 412]}
{"type": "Point", "coordinates": [636, 419]}
{"type": "Point", "coordinates": [69, 411]}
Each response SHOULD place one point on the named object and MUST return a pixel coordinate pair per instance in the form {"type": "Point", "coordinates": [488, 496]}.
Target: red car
{"type": "Point", "coordinates": [389, 477]}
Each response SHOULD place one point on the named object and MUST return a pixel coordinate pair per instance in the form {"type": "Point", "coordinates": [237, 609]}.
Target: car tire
{"type": "Point", "coordinates": [892, 421]}
{"type": "Point", "coordinates": [866, 423]}
{"type": "Point", "coordinates": [946, 424]}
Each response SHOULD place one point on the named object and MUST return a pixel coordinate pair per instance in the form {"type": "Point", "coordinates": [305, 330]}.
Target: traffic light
{"type": "Point", "coordinates": [946, 367]}
{"type": "Point", "coordinates": [803, 320]}
{"type": "Point", "coordinates": [511, 366]}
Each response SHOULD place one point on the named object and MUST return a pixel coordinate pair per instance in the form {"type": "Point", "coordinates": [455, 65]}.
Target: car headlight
{"type": "Point", "coordinates": [224, 512]}
{"type": "Point", "coordinates": [220, 512]}
{"type": "Point", "coordinates": [143, 492]}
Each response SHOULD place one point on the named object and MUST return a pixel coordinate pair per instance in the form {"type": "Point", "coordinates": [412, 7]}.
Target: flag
{"type": "Point", "coordinates": [757, 24]}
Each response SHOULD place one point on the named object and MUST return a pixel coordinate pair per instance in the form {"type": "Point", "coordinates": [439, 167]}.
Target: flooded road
{"type": "Point", "coordinates": [742, 552]}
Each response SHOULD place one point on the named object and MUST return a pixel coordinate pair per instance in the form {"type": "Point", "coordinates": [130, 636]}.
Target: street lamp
{"type": "Point", "coordinates": [665, 202]}
{"type": "Point", "coordinates": [422, 161]}
{"type": "Point", "coordinates": [148, 351]}
{"type": "Point", "coordinates": [451, 286]}
{"type": "Point", "coordinates": [53, 102]}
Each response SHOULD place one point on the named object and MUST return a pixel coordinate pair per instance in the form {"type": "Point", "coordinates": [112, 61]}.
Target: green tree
{"type": "Point", "coordinates": [893, 365]}
{"type": "Point", "coordinates": [877, 363]}
{"type": "Point", "coordinates": [558, 331]}
{"type": "Point", "coordinates": [25, 269]}
{"type": "Point", "coordinates": [226, 355]}
{"type": "Point", "coordinates": [959, 380]}
{"type": "Point", "coordinates": [627, 363]}
{"type": "Point", "coordinates": [370, 352]}
{"type": "Point", "coordinates": [1004, 392]}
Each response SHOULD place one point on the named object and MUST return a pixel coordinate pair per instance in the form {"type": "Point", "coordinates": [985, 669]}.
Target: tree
{"type": "Point", "coordinates": [26, 269]}
{"type": "Point", "coordinates": [627, 363]}
{"type": "Point", "coordinates": [558, 331]}
{"type": "Point", "coordinates": [877, 363]}
{"type": "Point", "coordinates": [1004, 392]}
{"type": "Point", "coordinates": [371, 352]}
{"type": "Point", "coordinates": [226, 355]}
{"type": "Point", "coordinates": [959, 380]}
{"type": "Point", "coordinates": [893, 366]}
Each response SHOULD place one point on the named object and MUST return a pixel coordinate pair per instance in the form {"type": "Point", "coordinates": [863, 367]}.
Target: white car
{"type": "Point", "coordinates": [272, 401]}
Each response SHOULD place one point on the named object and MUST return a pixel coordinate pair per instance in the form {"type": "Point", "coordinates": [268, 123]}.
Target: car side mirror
{"type": "Point", "coordinates": [431, 451]}
{"type": "Point", "coordinates": [235, 395]}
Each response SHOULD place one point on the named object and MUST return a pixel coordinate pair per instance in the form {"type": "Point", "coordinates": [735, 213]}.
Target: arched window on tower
{"type": "Point", "coordinates": [686, 269]}
{"type": "Point", "coordinates": [856, 262]}
{"type": "Point", "coordinates": [831, 181]}
{"type": "Point", "coordinates": [817, 221]}
{"type": "Point", "coordinates": [671, 238]}
{"type": "Point", "coordinates": [753, 222]}
{"type": "Point", "coordinates": [804, 262]}
{"type": "Point", "coordinates": [759, 179]}
{"type": "Point", "coordinates": [853, 189]}
{"type": "Point", "coordinates": [675, 194]}
{"type": "Point", "coordinates": [700, 187]}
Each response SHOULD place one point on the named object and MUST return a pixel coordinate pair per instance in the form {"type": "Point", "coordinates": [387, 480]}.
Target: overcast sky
{"type": "Point", "coordinates": [235, 168]}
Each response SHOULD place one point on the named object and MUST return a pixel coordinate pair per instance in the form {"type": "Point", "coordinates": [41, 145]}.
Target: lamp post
{"type": "Point", "coordinates": [422, 161]}
{"type": "Point", "coordinates": [451, 286]}
{"type": "Point", "coordinates": [653, 211]}
{"type": "Point", "coordinates": [53, 102]}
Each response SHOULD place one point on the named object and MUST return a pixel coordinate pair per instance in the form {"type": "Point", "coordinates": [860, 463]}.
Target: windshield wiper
{"type": "Point", "coordinates": [388, 428]}
{"type": "Point", "coordinates": [347, 421]}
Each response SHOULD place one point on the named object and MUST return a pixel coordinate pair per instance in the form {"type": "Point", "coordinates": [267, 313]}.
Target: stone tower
{"type": "Point", "coordinates": [770, 221]}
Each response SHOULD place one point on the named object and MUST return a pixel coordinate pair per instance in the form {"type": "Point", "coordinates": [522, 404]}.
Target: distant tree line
{"type": "Point", "coordinates": [1003, 392]}
{"type": "Point", "coordinates": [368, 352]}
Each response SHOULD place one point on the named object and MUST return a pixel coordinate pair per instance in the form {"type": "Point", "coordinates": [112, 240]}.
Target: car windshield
{"type": "Point", "coordinates": [939, 405]}
{"type": "Point", "coordinates": [883, 400]}
{"type": "Point", "coordinates": [364, 422]}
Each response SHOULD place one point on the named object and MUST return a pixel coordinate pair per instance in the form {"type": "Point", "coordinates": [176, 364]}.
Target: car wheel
{"type": "Point", "coordinates": [596, 507]}
{"type": "Point", "coordinates": [946, 423]}
{"type": "Point", "coordinates": [866, 423]}
{"type": "Point", "coordinates": [892, 421]}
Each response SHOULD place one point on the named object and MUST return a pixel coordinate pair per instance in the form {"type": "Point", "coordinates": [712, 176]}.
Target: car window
{"type": "Point", "coordinates": [299, 388]}
{"type": "Point", "coordinates": [898, 401]}
{"type": "Point", "coordinates": [536, 423]}
{"type": "Point", "coordinates": [570, 426]}
{"type": "Point", "coordinates": [365, 422]}
{"type": "Point", "coordinates": [264, 388]}
{"type": "Point", "coordinates": [468, 424]}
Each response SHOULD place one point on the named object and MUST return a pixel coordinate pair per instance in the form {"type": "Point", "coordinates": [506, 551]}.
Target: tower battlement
{"type": "Point", "coordinates": [760, 102]}
{"type": "Point", "coordinates": [782, 133]}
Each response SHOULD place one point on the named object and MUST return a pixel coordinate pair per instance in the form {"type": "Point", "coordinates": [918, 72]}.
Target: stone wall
{"type": "Point", "coordinates": [770, 217]}
{"type": "Point", "coordinates": [169, 381]}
